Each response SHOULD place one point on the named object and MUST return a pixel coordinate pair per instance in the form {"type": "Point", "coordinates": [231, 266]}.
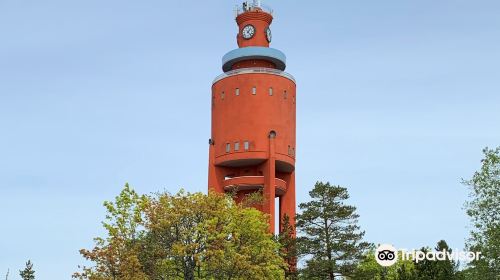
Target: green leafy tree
{"type": "Point", "coordinates": [405, 270]}
{"type": "Point", "coordinates": [27, 273]}
{"type": "Point", "coordinates": [466, 274]}
{"type": "Point", "coordinates": [117, 255]}
{"type": "Point", "coordinates": [209, 237]}
{"type": "Point", "coordinates": [330, 238]}
{"type": "Point", "coordinates": [369, 269]}
{"type": "Point", "coordinates": [184, 236]}
{"type": "Point", "coordinates": [484, 211]}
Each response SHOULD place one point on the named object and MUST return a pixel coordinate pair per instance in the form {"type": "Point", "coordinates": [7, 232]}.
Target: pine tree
{"type": "Point", "coordinates": [28, 273]}
{"type": "Point", "coordinates": [329, 234]}
{"type": "Point", "coordinates": [425, 269]}
{"type": "Point", "coordinates": [437, 269]}
{"type": "Point", "coordinates": [447, 269]}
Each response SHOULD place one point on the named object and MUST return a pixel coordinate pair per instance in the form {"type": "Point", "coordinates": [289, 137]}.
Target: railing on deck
{"type": "Point", "coordinates": [253, 71]}
{"type": "Point", "coordinates": [249, 6]}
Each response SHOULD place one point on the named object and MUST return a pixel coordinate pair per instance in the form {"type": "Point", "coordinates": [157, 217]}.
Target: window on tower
{"type": "Point", "coordinates": [254, 90]}
{"type": "Point", "coordinates": [270, 91]}
{"type": "Point", "coordinates": [237, 92]}
{"type": "Point", "coordinates": [236, 146]}
{"type": "Point", "coordinates": [246, 145]}
{"type": "Point", "coordinates": [228, 147]}
{"type": "Point", "coordinates": [222, 95]}
{"type": "Point", "coordinates": [285, 94]}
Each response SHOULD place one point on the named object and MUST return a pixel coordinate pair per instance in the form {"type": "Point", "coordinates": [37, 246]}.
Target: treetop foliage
{"type": "Point", "coordinates": [484, 211]}
{"type": "Point", "coordinates": [183, 236]}
{"type": "Point", "coordinates": [27, 273]}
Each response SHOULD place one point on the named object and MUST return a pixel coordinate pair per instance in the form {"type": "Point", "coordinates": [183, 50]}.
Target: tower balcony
{"type": "Point", "coordinates": [245, 183]}
{"type": "Point", "coordinates": [284, 163]}
{"type": "Point", "coordinates": [275, 56]}
{"type": "Point", "coordinates": [243, 71]}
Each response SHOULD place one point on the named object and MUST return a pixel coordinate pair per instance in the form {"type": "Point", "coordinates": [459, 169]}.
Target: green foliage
{"type": "Point", "coordinates": [484, 211]}
{"type": "Point", "coordinates": [288, 242]}
{"type": "Point", "coordinates": [27, 273]}
{"type": "Point", "coordinates": [183, 236]}
{"type": "Point", "coordinates": [330, 238]}
{"type": "Point", "coordinates": [369, 269]}
{"type": "Point", "coordinates": [210, 237]}
{"type": "Point", "coordinates": [116, 256]}
{"type": "Point", "coordinates": [253, 199]}
{"type": "Point", "coordinates": [437, 270]}
{"type": "Point", "coordinates": [446, 270]}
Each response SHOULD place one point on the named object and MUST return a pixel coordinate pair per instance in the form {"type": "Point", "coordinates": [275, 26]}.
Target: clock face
{"type": "Point", "coordinates": [248, 31]}
{"type": "Point", "coordinates": [269, 35]}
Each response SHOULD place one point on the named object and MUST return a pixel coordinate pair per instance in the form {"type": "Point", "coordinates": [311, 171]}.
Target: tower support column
{"type": "Point", "coordinates": [287, 202]}
{"type": "Point", "coordinates": [214, 182]}
{"type": "Point", "coordinates": [270, 184]}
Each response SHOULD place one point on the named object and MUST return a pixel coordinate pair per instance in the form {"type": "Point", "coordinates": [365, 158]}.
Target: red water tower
{"type": "Point", "coordinates": [252, 148]}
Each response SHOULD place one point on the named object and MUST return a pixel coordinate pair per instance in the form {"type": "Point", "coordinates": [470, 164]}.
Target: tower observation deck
{"type": "Point", "coordinates": [253, 142]}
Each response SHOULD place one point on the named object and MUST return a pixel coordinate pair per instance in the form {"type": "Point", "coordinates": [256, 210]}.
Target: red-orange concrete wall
{"type": "Point", "coordinates": [250, 117]}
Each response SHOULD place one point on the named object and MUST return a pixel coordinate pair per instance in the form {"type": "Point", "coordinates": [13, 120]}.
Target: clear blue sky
{"type": "Point", "coordinates": [396, 99]}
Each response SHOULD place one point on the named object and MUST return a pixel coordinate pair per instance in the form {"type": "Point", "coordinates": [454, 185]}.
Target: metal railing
{"type": "Point", "coordinates": [254, 71]}
{"type": "Point", "coordinates": [249, 6]}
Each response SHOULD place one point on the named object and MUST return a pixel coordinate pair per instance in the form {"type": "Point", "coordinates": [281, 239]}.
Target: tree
{"type": "Point", "coordinates": [369, 269]}
{"type": "Point", "coordinates": [27, 273]}
{"type": "Point", "coordinates": [329, 235]}
{"type": "Point", "coordinates": [184, 236]}
{"type": "Point", "coordinates": [405, 270]}
{"type": "Point", "coordinates": [288, 243]}
{"type": "Point", "coordinates": [484, 211]}
{"type": "Point", "coordinates": [116, 256]}
{"type": "Point", "coordinates": [200, 236]}
{"type": "Point", "coordinates": [408, 269]}
{"type": "Point", "coordinates": [437, 269]}
{"type": "Point", "coordinates": [445, 269]}
{"type": "Point", "coordinates": [425, 269]}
